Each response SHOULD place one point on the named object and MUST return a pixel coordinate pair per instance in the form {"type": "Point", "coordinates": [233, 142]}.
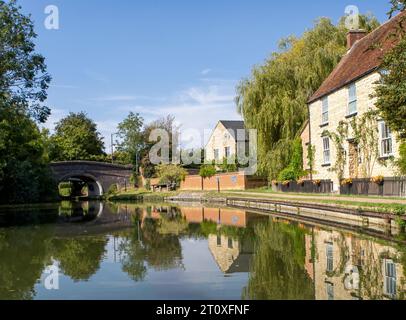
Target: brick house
{"type": "Point", "coordinates": [345, 94]}
{"type": "Point", "coordinates": [223, 142]}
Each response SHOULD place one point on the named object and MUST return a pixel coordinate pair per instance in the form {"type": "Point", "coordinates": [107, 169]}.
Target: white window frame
{"type": "Point", "coordinates": [385, 140]}
{"type": "Point", "coordinates": [329, 257]}
{"type": "Point", "coordinates": [324, 111]}
{"type": "Point", "coordinates": [326, 150]}
{"type": "Point", "coordinates": [227, 152]}
{"type": "Point", "coordinates": [390, 278]}
{"type": "Point", "coordinates": [352, 99]}
{"type": "Point", "coordinates": [216, 153]}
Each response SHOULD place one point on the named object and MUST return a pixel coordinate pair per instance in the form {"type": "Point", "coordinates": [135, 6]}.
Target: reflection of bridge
{"type": "Point", "coordinates": [97, 175]}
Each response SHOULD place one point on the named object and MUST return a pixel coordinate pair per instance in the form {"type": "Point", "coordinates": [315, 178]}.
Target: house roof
{"type": "Point", "coordinates": [363, 58]}
{"type": "Point", "coordinates": [233, 125]}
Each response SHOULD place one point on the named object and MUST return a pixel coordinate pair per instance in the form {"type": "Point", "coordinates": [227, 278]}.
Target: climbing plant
{"type": "Point", "coordinates": [363, 132]}
{"type": "Point", "coordinates": [339, 137]}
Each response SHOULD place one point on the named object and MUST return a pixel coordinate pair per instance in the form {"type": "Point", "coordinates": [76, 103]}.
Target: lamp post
{"type": "Point", "coordinates": [112, 147]}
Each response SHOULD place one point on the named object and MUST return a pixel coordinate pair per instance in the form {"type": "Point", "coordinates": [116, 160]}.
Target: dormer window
{"type": "Point", "coordinates": [324, 111]}
{"type": "Point", "coordinates": [352, 100]}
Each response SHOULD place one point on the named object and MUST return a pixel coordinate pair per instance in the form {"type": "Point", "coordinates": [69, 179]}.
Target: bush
{"type": "Point", "coordinates": [207, 171]}
{"type": "Point", "coordinates": [147, 184]}
{"type": "Point", "coordinates": [402, 158]}
{"type": "Point", "coordinates": [113, 189]}
{"type": "Point", "coordinates": [295, 169]}
{"type": "Point", "coordinates": [171, 174]}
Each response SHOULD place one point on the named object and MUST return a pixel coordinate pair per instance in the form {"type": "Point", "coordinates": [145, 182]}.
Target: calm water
{"type": "Point", "coordinates": [164, 251]}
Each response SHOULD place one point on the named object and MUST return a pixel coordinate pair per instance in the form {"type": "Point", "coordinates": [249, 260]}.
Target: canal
{"type": "Point", "coordinates": [96, 250]}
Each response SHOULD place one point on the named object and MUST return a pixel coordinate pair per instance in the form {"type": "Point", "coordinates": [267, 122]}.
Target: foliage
{"type": "Point", "coordinates": [295, 169]}
{"type": "Point", "coordinates": [278, 267]}
{"type": "Point", "coordinates": [130, 134]}
{"type": "Point", "coordinates": [76, 138]}
{"type": "Point", "coordinates": [165, 123]}
{"type": "Point", "coordinates": [113, 189]}
{"type": "Point", "coordinates": [228, 165]}
{"type": "Point", "coordinates": [339, 139]}
{"type": "Point", "coordinates": [147, 185]}
{"type": "Point", "coordinates": [363, 132]}
{"type": "Point", "coordinates": [207, 171]}
{"type": "Point", "coordinates": [273, 100]}
{"type": "Point", "coordinates": [24, 173]}
{"type": "Point", "coordinates": [23, 75]}
{"type": "Point", "coordinates": [401, 162]}
{"type": "Point", "coordinates": [171, 174]}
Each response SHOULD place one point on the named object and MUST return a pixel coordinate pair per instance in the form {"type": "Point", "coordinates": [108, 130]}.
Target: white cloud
{"type": "Point", "coordinates": [205, 71]}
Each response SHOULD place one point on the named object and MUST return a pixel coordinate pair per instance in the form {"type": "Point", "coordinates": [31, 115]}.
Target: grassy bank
{"type": "Point", "coordinates": [139, 195]}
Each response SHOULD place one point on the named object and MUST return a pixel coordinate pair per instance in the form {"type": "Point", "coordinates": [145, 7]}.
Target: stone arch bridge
{"type": "Point", "coordinates": [97, 175]}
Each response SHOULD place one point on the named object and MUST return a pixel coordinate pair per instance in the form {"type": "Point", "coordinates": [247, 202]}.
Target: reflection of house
{"type": "Point", "coordinates": [223, 216]}
{"type": "Point", "coordinates": [348, 268]}
{"type": "Point", "coordinates": [225, 140]}
{"type": "Point", "coordinates": [232, 255]}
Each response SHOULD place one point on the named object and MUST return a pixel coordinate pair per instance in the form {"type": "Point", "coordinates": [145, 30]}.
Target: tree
{"type": "Point", "coordinates": [23, 75]}
{"type": "Point", "coordinates": [130, 133]}
{"type": "Point", "coordinates": [273, 99]}
{"type": "Point", "coordinates": [207, 171]}
{"type": "Point", "coordinates": [76, 138]}
{"type": "Point", "coordinates": [295, 169]}
{"type": "Point", "coordinates": [24, 175]}
{"type": "Point", "coordinates": [171, 174]}
{"type": "Point", "coordinates": [165, 123]}
{"type": "Point", "coordinates": [391, 88]}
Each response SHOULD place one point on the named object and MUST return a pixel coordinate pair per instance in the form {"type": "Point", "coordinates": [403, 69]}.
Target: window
{"type": "Point", "coordinates": [385, 135]}
{"type": "Point", "coordinates": [324, 112]}
{"type": "Point", "coordinates": [330, 291]}
{"type": "Point", "coordinates": [218, 241]}
{"type": "Point", "coordinates": [227, 152]}
{"type": "Point", "coordinates": [329, 257]}
{"type": "Point", "coordinates": [390, 278]}
{"type": "Point", "coordinates": [216, 154]}
{"type": "Point", "coordinates": [352, 99]}
{"type": "Point", "coordinates": [326, 150]}
{"type": "Point", "coordinates": [230, 243]}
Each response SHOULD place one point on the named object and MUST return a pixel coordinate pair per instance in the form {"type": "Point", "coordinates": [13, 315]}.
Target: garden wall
{"type": "Point", "coordinates": [394, 187]}
{"type": "Point", "coordinates": [325, 186]}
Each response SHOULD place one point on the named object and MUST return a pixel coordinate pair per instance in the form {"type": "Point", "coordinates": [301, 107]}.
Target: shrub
{"type": "Point", "coordinates": [113, 189]}
{"type": "Point", "coordinates": [171, 174]}
{"type": "Point", "coordinates": [207, 171]}
{"type": "Point", "coordinates": [148, 184]}
{"type": "Point", "coordinates": [401, 162]}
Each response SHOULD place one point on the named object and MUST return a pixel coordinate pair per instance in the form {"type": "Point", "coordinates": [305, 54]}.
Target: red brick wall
{"type": "Point", "coordinates": [227, 181]}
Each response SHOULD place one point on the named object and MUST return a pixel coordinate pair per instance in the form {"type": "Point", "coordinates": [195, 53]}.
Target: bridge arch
{"type": "Point", "coordinates": [94, 186]}
{"type": "Point", "coordinates": [98, 176]}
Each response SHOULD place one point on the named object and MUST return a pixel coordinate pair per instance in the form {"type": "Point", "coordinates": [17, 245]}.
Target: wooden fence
{"type": "Point", "coordinates": [394, 187]}
{"type": "Point", "coordinates": [324, 186]}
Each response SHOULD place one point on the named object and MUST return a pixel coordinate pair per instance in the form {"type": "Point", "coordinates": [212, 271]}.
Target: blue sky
{"type": "Point", "coordinates": [166, 57]}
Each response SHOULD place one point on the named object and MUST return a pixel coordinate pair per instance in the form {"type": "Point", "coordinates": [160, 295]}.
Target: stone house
{"type": "Point", "coordinates": [224, 142]}
{"type": "Point", "coordinates": [346, 94]}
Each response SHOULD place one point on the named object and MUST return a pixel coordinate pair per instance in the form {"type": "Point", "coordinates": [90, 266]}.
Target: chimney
{"type": "Point", "coordinates": [353, 36]}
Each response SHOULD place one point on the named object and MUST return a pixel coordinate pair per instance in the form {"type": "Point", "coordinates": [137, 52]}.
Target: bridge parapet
{"type": "Point", "coordinates": [99, 176]}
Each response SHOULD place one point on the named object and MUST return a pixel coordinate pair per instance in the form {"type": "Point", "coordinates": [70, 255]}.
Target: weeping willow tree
{"type": "Point", "coordinates": [278, 267]}
{"type": "Point", "coordinates": [273, 99]}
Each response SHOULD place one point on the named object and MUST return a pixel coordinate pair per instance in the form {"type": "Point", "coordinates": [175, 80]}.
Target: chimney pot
{"type": "Point", "coordinates": [353, 36]}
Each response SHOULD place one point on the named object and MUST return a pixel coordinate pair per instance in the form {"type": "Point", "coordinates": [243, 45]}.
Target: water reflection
{"type": "Point", "coordinates": [156, 246]}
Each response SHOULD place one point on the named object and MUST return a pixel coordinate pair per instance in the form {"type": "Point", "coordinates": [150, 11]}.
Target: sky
{"type": "Point", "coordinates": [161, 57]}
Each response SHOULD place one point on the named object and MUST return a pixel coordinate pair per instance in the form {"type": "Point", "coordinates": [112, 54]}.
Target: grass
{"type": "Point", "coordinates": [351, 204]}
{"type": "Point", "coordinates": [139, 195]}
{"type": "Point", "coordinates": [270, 191]}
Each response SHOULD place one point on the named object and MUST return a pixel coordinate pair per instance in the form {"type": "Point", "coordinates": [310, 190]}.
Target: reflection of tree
{"type": "Point", "coordinates": [79, 257]}
{"type": "Point", "coordinates": [278, 265]}
{"type": "Point", "coordinates": [24, 254]}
